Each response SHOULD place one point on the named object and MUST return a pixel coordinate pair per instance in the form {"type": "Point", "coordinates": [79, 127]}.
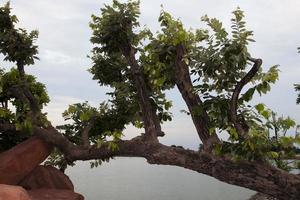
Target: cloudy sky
{"type": "Point", "coordinates": [64, 46]}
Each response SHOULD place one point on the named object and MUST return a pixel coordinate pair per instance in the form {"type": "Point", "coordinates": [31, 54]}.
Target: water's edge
{"type": "Point", "coordinates": [134, 179]}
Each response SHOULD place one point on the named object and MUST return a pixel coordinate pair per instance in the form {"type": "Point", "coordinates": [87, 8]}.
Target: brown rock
{"type": "Point", "coordinates": [9, 192]}
{"type": "Point", "coordinates": [46, 177]}
{"type": "Point", "coordinates": [20, 160]}
{"type": "Point", "coordinates": [52, 194]}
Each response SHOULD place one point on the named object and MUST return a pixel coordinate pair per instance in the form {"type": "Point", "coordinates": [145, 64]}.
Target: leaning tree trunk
{"type": "Point", "coordinates": [192, 100]}
{"type": "Point", "coordinates": [151, 122]}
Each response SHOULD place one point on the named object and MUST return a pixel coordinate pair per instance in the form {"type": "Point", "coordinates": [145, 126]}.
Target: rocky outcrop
{"type": "Point", "coordinates": [46, 177]}
{"type": "Point", "coordinates": [20, 160]}
{"type": "Point", "coordinates": [20, 166]}
{"type": "Point", "coordinates": [9, 192]}
{"type": "Point", "coordinates": [52, 194]}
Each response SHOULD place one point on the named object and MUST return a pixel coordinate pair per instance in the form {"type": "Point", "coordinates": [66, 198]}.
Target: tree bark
{"type": "Point", "coordinates": [151, 122]}
{"type": "Point", "coordinates": [240, 127]}
{"type": "Point", "coordinates": [192, 100]}
{"type": "Point", "coordinates": [85, 136]}
{"type": "Point", "coordinates": [24, 89]}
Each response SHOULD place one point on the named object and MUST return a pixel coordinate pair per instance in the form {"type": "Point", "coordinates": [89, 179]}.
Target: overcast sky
{"type": "Point", "coordinates": [64, 46]}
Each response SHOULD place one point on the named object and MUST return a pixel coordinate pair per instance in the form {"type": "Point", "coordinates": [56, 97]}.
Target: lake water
{"type": "Point", "coordinates": [134, 179]}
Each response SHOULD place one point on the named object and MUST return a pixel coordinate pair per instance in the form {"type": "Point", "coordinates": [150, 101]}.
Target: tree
{"type": "Point", "coordinates": [213, 71]}
{"type": "Point", "coordinates": [115, 62]}
{"type": "Point", "coordinates": [22, 91]}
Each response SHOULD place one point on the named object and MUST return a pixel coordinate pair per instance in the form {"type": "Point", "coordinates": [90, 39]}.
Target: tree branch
{"type": "Point", "coordinates": [257, 176]}
{"type": "Point", "coordinates": [151, 122]}
{"type": "Point", "coordinates": [240, 128]}
{"type": "Point", "coordinates": [192, 100]}
{"type": "Point", "coordinates": [33, 103]}
{"type": "Point", "coordinates": [85, 135]}
{"type": "Point", "coordinates": [86, 130]}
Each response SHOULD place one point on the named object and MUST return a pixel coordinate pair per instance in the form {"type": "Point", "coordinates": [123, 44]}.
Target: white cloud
{"type": "Point", "coordinates": [56, 57]}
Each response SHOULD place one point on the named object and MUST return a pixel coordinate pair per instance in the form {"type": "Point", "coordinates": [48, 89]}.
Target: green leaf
{"type": "Point", "coordinates": [297, 139]}
{"type": "Point", "coordinates": [273, 154]}
{"type": "Point", "coordinates": [84, 116]}
{"type": "Point", "coordinates": [286, 141]}
{"type": "Point", "coordinates": [233, 134]}
{"type": "Point", "coordinates": [113, 146]}
{"type": "Point", "coordinates": [260, 107]}
{"type": "Point", "coordinates": [249, 94]}
{"type": "Point", "coordinates": [138, 124]}
{"type": "Point", "coordinates": [168, 105]}
{"type": "Point", "coordinates": [266, 114]}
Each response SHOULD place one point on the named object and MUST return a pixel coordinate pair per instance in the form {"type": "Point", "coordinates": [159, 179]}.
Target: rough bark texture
{"type": "Point", "coordinates": [241, 128]}
{"type": "Point", "coordinates": [192, 100]}
{"type": "Point", "coordinates": [85, 135]}
{"type": "Point", "coordinates": [33, 103]}
{"type": "Point", "coordinates": [150, 118]}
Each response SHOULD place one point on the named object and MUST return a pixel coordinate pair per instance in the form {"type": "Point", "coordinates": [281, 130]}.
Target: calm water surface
{"type": "Point", "coordinates": [135, 179]}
